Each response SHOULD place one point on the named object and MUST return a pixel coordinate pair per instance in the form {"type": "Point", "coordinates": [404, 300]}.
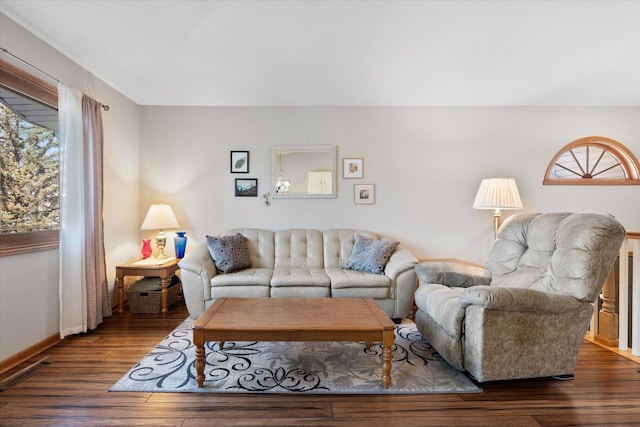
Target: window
{"type": "Point", "coordinates": [29, 213]}
{"type": "Point", "coordinates": [594, 160]}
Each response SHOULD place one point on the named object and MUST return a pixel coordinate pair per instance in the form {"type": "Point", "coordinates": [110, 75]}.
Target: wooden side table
{"type": "Point", "coordinates": [149, 267]}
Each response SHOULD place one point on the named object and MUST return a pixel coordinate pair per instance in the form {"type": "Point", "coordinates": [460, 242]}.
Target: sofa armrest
{"type": "Point", "coordinates": [452, 274]}
{"type": "Point", "coordinates": [400, 261]}
{"type": "Point", "coordinates": [199, 261]}
{"type": "Point", "coordinates": [197, 269]}
{"type": "Point", "coordinates": [518, 299]}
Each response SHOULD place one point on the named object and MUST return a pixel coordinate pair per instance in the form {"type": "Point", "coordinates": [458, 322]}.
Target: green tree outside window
{"type": "Point", "coordinates": [29, 185]}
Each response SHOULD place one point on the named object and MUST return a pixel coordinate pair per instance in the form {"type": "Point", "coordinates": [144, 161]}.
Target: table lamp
{"type": "Point", "coordinates": [160, 217]}
{"type": "Point", "coordinates": [497, 193]}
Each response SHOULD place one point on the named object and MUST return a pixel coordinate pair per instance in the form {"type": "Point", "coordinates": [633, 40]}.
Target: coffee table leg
{"type": "Point", "coordinates": [198, 340]}
{"type": "Point", "coordinates": [387, 343]}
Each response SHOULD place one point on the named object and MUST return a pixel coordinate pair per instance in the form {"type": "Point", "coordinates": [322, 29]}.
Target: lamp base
{"type": "Point", "coordinates": [497, 221]}
{"type": "Point", "coordinates": [161, 242]}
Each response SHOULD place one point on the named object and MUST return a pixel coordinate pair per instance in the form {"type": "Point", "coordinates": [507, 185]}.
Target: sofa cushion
{"type": "Point", "coordinates": [260, 243]}
{"type": "Point", "coordinates": [358, 284]}
{"type": "Point", "coordinates": [245, 277]}
{"type": "Point", "coordinates": [298, 248]}
{"type": "Point", "coordinates": [240, 291]}
{"type": "Point", "coordinates": [296, 276]}
{"type": "Point", "coordinates": [341, 279]}
{"type": "Point", "coordinates": [229, 253]}
{"type": "Point", "coordinates": [338, 244]}
{"type": "Point", "coordinates": [300, 292]}
{"type": "Point", "coordinates": [370, 255]}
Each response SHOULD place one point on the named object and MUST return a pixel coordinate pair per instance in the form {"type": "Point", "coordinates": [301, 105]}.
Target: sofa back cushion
{"type": "Point", "coordinates": [563, 253]}
{"type": "Point", "coordinates": [338, 244]}
{"type": "Point", "coordinates": [261, 245]}
{"type": "Point", "coordinates": [297, 248]}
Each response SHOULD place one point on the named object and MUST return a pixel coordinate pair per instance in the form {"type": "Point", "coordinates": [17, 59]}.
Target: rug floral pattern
{"type": "Point", "coordinates": [295, 367]}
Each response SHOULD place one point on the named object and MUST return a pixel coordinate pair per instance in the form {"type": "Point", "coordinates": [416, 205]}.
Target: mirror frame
{"type": "Point", "coordinates": [275, 169]}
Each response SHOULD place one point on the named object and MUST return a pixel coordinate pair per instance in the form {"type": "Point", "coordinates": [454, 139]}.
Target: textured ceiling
{"type": "Point", "coordinates": [396, 53]}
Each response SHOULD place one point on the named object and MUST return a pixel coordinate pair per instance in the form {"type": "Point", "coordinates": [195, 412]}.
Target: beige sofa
{"type": "Point", "coordinates": [299, 263]}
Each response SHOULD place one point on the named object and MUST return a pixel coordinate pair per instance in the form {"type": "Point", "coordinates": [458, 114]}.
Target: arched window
{"type": "Point", "coordinates": [594, 160]}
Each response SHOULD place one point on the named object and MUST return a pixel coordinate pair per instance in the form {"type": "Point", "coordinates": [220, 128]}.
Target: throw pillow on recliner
{"type": "Point", "coordinates": [229, 253]}
{"type": "Point", "coordinates": [370, 255]}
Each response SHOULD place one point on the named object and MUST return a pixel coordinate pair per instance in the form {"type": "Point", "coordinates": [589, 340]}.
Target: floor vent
{"type": "Point", "coordinates": [23, 374]}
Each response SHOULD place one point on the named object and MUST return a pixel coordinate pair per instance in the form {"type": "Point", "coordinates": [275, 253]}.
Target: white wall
{"type": "Point", "coordinates": [426, 163]}
{"type": "Point", "coordinates": [29, 306]}
{"type": "Point", "coordinates": [29, 309]}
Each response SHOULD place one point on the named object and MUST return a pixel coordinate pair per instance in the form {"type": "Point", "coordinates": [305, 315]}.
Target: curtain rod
{"type": "Point", "coordinates": [104, 107]}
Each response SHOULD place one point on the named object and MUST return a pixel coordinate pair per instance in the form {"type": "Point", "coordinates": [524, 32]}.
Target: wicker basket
{"type": "Point", "coordinates": [145, 295]}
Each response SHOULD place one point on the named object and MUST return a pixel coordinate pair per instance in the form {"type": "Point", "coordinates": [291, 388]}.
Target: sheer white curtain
{"type": "Point", "coordinates": [83, 287]}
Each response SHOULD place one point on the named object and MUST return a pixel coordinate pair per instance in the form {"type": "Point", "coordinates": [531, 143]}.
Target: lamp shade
{"type": "Point", "coordinates": [159, 217]}
{"type": "Point", "coordinates": [498, 193]}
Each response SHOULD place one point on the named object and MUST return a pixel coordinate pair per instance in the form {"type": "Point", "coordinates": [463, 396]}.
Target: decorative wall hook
{"type": "Point", "coordinates": [266, 201]}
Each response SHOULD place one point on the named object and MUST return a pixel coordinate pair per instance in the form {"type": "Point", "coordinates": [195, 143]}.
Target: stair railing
{"type": "Point", "coordinates": [616, 322]}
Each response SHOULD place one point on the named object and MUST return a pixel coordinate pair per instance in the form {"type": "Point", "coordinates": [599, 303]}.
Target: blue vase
{"type": "Point", "coordinates": [180, 242]}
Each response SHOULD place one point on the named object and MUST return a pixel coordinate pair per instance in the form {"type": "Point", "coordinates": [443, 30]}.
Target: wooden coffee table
{"type": "Point", "coordinates": [294, 319]}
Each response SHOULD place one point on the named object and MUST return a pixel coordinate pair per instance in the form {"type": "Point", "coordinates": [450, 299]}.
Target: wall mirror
{"type": "Point", "coordinates": [303, 172]}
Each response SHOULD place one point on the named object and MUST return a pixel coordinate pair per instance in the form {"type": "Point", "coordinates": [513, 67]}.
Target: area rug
{"type": "Point", "coordinates": [290, 367]}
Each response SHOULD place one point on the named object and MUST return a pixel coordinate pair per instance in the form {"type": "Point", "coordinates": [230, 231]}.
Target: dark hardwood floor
{"type": "Point", "coordinates": [72, 390]}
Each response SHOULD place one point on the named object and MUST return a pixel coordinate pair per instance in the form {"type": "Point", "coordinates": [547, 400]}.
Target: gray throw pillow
{"type": "Point", "coordinates": [229, 253]}
{"type": "Point", "coordinates": [370, 255]}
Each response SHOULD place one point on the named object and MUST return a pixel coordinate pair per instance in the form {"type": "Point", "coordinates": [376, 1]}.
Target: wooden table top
{"type": "Point", "coordinates": [149, 263]}
{"type": "Point", "coordinates": [295, 318]}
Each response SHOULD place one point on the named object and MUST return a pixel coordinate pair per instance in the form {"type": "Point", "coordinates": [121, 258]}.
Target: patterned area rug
{"type": "Point", "coordinates": [304, 367]}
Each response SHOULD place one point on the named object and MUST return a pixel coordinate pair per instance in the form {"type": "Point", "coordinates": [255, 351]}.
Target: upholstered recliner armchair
{"type": "Point", "coordinates": [526, 313]}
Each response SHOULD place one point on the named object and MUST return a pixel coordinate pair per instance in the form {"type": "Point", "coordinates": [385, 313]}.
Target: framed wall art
{"type": "Point", "coordinates": [239, 162]}
{"type": "Point", "coordinates": [364, 194]}
{"type": "Point", "coordinates": [246, 187]}
{"type": "Point", "coordinates": [352, 168]}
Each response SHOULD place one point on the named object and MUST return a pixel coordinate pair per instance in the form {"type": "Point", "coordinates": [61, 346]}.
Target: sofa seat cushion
{"type": "Point", "coordinates": [300, 292]}
{"type": "Point", "coordinates": [357, 284]}
{"type": "Point", "coordinates": [341, 278]}
{"type": "Point", "coordinates": [240, 291]}
{"type": "Point", "coordinates": [375, 293]}
{"type": "Point", "coordinates": [299, 276]}
{"type": "Point", "coordinates": [443, 305]}
{"type": "Point", "coordinates": [248, 276]}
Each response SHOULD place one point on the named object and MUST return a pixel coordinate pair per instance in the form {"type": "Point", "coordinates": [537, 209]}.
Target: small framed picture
{"type": "Point", "coordinates": [246, 187]}
{"type": "Point", "coordinates": [353, 168]}
{"type": "Point", "coordinates": [239, 162]}
{"type": "Point", "coordinates": [364, 194]}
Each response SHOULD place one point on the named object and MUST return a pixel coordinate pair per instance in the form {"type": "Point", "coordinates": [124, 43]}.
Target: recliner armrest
{"type": "Point", "coordinates": [518, 299]}
{"type": "Point", "coordinates": [452, 274]}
